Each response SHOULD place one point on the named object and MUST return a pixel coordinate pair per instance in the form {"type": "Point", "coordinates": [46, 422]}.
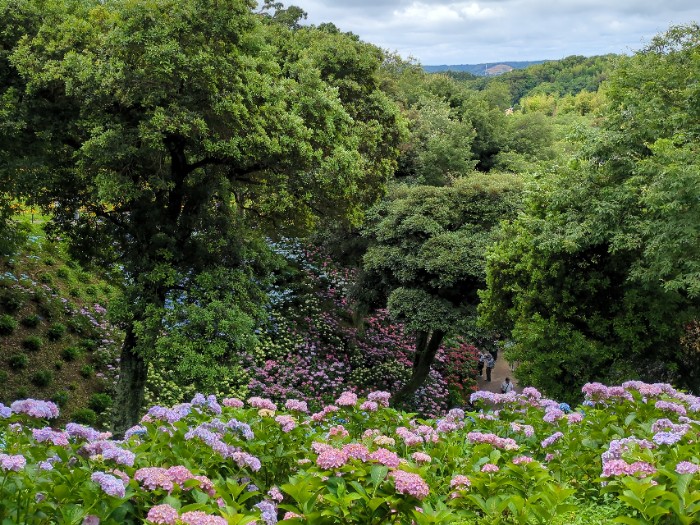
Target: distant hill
{"type": "Point", "coordinates": [480, 69]}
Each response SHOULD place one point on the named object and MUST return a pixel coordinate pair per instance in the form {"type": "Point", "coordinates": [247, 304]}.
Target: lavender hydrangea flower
{"type": "Point", "coordinates": [268, 512]}
{"type": "Point", "coordinates": [12, 462]}
{"type": "Point", "coordinates": [110, 485]}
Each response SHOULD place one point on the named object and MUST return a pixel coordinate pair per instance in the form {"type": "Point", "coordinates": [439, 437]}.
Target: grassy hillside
{"type": "Point", "coordinates": [55, 342]}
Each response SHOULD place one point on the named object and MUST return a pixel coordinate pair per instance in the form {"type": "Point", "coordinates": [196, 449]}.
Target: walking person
{"type": "Point", "coordinates": [482, 361]}
{"type": "Point", "coordinates": [490, 363]}
{"type": "Point", "coordinates": [506, 386]}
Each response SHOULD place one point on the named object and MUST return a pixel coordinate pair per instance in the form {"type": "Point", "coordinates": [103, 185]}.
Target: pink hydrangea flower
{"type": "Point", "coordinates": [263, 403]}
{"type": "Point", "coordinates": [385, 457]}
{"type": "Point", "coordinates": [338, 431]}
{"type": "Point", "coordinates": [460, 481]}
{"type": "Point", "coordinates": [162, 515]}
{"type": "Point", "coordinates": [411, 484]}
{"type": "Point", "coordinates": [356, 451]}
{"type": "Point", "coordinates": [331, 458]}
{"type": "Point", "coordinates": [286, 422]}
{"type": "Point", "coordinates": [421, 457]}
{"type": "Point", "coordinates": [490, 467]}
{"type": "Point", "coordinates": [369, 406]}
{"type": "Point", "coordinates": [295, 404]}
{"type": "Point", "coordinates": [197, 517]}
{"type": "Point", "coordinates": [347, 399]}
{"type": "Point", "coordinates": [233, 402]}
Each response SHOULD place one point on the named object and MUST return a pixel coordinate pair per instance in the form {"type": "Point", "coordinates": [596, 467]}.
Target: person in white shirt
{"type": "Point", "coordinates": [506, 386]}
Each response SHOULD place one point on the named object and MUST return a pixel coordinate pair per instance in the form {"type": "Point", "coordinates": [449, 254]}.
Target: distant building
{"type": "Point", "coordinates": [498, 69]}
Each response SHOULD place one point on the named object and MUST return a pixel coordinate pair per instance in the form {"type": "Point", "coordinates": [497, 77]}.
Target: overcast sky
{"type": "Point", "coordinates": [464, 32]}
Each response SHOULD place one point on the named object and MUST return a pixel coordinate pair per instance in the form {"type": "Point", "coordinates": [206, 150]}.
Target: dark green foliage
{"type": "Point", "coordinates": [30, 321]}
{"type": "Point", "coordinates": [22, 393]}
{"type": "Point", "coordinates": [56, 331]}
{"type": "Point", "coordinates": [58, 365]}
{"type": "Point", "coordinates": [278, 126]}
{"type": "Point", "coordinates": [74, 292]}
{"type": "Point", "coordinates": [85, 416]}
{"type": "Point", "coordinates": [100, 402]}
{"type": "Point", "coordinates": [61, 398]}
{"type": "Point", "coordinates": [32, 343]}
{"type": "Point", "coordinates": [7, 324]}
{"type": "Point", "coordinates": [18, 361]}
{"type": "Point", "coordinates": [63, 273]}
{"type": "Point", "coordinates": [49, 261]}
{"type": "Point", "coordinates": [427, 256]}
{"type": "Point", "coordinates": [3, 376]}
{"type": "Point", "coordinates": [71, 353]}
{"type": "Point", "coordinates": [42, 378]}
{"type": "Point", "coordinates": [11, 299]}
{"type": "Point", "coordinates": [88, 345]}
{"type": "Point", "coordinates": [87, 371]}
{"type": "Point", "coordinates": [46, 278]}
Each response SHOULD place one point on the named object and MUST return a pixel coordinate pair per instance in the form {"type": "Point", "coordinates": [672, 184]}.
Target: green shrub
{"type": "Point", "coordinates": [46, 278]}
{"type": "Point", "coordinates": [48, 261]}
{"type": "Point", "coordinates": [58, 365]}
{"type": "Point", "coordinates": [87, 371]}
{"type": "Point", "coordinates": [56, 331]}
{"type": "Point", "coordinates": [72, 387]}
{"type": "Point", "coordinates": [18, 361]}
{"type": "Point", "coordinates": [3, 377]}
{"type": "Point", "coordinates": [91, 291]}
{"type": "Point", "coordinates": [61, 398]}
{"type": "Point", "coordinates": [11, 300]}
{"type": "Point", "coordinates": [86, 416]}
{"type": "Point", "coordinates": [22, 393]}
{"type": "Point", "coordinates": [100, 402]}
{"type": "Point", "coordinates": [89, 345]}
{"type": "Point", "coordinates": [42, 377]}
{"type": "Point", "coordinates": [32, 343]}
{"type": "Point", "coordinates": [63, 273]}
{"type": "Point", "coordinates": [71, 353]}
{"type": "Point", "coordinates": [30, 321]}
{"type": "Point", "coordinates": [74, 292]}
{"type": "Point", "coordinates": [7, 324]}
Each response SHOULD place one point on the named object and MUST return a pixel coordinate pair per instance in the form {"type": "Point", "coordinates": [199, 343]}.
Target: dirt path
{"type": "Point", "coordinates": [498, 375]}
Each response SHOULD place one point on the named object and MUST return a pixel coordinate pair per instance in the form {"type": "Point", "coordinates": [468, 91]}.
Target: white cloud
{"type": "Point", "coordinates": [461, 32]}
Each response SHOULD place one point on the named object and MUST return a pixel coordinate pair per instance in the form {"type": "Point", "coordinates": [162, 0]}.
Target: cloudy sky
{"type": "Point", "coordinates": [471, 32]}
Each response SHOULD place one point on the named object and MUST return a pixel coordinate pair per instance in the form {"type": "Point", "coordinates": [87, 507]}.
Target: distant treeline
{"type": "Point", "coordinates": [478, 69]}
{"type": "Point", "coordinates": [568, 76]}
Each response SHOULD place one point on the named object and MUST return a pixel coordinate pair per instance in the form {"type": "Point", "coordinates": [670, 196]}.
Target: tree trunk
{"type": "Point", "coordinates": [131, 386]}
{"type": "Point", "coordinates": [426, 347]}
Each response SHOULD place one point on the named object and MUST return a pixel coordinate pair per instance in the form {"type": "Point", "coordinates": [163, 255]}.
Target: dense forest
{"type": "Point", "coordinates": [180, 152]}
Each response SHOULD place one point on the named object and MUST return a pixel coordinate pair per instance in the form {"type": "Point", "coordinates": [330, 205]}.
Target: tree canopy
{"type": "Point", "coordinates": [599, 278]}
{"type": "Point", "coordinates": [165, 132]}
{"type": "Point", "coordinates": [427, 250]}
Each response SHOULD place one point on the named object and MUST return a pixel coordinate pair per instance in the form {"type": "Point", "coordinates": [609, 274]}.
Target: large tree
{"type": "Point", "coordinates": [427, 254]}
{"type": "Point", "coordinates": [170, 129]}
{"type": "Point", "coordinates": [600, 277]}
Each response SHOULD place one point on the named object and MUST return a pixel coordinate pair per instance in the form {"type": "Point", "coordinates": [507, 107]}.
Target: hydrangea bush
{"type": "Point", "coordinates": [519, 459]}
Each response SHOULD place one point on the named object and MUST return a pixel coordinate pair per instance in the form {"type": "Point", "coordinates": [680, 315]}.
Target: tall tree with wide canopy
{"type": "Point", "coordinates": [427, 251]}
{"type": "Point", "coordinates": [169, 130]}
{"type": "Point", "coordinates": [600, 277]}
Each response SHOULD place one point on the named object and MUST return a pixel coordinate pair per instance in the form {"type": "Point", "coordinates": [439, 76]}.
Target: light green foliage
{"type": "Point", "coordinates": [600, 276]}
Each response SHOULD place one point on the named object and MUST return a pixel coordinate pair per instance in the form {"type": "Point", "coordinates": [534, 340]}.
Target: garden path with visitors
{"type": "Point", "coordinates": [498, 375]}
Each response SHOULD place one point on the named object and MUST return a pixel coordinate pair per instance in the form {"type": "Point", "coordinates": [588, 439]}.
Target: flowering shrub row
{"type": "Point", "coordinates": [520, 459]}
{"type": "Point", "coordinates": [311, 349]}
